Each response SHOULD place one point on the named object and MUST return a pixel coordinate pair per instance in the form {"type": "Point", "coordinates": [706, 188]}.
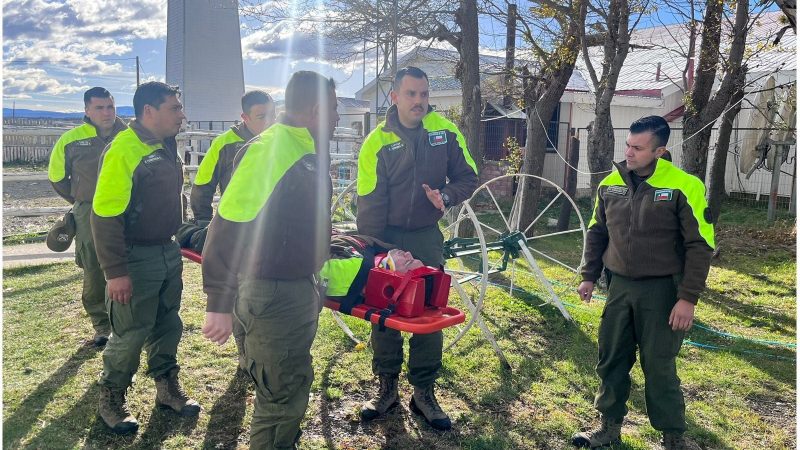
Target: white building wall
{"type": "Point", "coordinates": [204, 57]}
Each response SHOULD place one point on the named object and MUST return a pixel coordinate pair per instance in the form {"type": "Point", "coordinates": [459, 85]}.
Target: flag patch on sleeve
{"type": "Point", "coordinates": [437, 138]}
{"type": "Point", "coordinates": [663, 195]}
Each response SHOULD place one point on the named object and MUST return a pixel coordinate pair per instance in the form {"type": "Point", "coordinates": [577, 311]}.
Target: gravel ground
{"type": "Point", "coordinates": [29, 194]}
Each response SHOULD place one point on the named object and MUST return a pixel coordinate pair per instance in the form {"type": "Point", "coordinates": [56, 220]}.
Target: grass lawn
{"type": "Point", "coordinates": [740, 395]}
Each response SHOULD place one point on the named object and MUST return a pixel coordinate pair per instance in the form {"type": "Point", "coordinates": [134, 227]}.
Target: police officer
{"type": "Point", "coordinates": [411, 168]}
{"type": "Point", "coordinates": [73, 174]}
{"type": "Point", "coordinates": [269, 238]}
{"type": "Point", "coordinates": [136, 211]}
{"type": "Point", "coordinates": [651, 230]}
{"type": "Point", "coordinates": [258, 113]}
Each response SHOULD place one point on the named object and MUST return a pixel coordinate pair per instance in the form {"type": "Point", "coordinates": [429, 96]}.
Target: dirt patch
{"type": "Point", "coordinates": [776, 411]}
{"type": "Point", "coordinates": [781, 236]}
{"type": "Point", "coordinates": [29, 194]}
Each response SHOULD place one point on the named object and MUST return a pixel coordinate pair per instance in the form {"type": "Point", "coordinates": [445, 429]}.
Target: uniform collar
{"type": "Point", "coordinates": [118, 126]}
{"type": "Point", "coordinates": [242, 131]}
{"type": "Point", "coordinates": [622, 167]}
{"type": "Point", "coordinates": [148, 138]}
{"type": "Point", "coordinates": [393, 119]}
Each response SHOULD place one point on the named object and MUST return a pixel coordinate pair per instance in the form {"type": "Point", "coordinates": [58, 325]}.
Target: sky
{"type": "Point", "coordinates": [53, 50]}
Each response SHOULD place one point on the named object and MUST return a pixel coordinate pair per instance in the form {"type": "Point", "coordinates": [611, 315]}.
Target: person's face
{"type": "Point", "coordinates": [166, 120]}
{"type": "Point", "coordinates": [326, 116]}
{"type": "Point", "coordinates": [641, 150]}
{"type": "Point", "coordinates": [101, 112]}
{"type": "Point", "coordinates": [411, 99]}
{"type": "Point", "coordinates": [260, 117]}
{"type": "Point", "coordinates": [404, 261]}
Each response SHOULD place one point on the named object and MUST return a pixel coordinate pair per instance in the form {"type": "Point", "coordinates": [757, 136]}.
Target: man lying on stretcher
{"type": "Point", "coordinates": [351, 259]}
{"type": "Point", "coordinates": [344, 275]}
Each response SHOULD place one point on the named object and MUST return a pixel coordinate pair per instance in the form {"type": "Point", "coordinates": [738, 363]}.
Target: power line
{"type": "Point", "coordinates": [46, 61]}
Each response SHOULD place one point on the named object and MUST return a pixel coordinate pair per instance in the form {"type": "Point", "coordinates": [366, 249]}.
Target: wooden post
{"type": "Point", "coordinates": [775, 182]}
{"type": "Point", "coordinates": [571, 179]}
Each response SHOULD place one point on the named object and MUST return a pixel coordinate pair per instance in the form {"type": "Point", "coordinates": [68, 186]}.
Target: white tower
{"type": "Point", "coordinates": [204, 57]}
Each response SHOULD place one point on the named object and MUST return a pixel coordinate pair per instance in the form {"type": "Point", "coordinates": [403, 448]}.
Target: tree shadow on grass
{"type": "Point", "coordinates": [71, 427]}
{"type": "Point", "coordinates": [163, 424]}
{"type": "Point", "coordinates": [776, 321]}
{"type": "Point", "coordinates": [695, 431]}
{"type": "Point", "coordinates": [26, 414]}
{"type": "Point", "coordinates": [532, 342]}
{"type": "Point", "coordinates": [227, 414]}
{"type": "Point", "coordinates": [42, 286]}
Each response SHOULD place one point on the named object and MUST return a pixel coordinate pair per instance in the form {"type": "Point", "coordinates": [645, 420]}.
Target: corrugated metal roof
{"type": "Point", "coordinates": [669, 45]}
{"type": "Point", "coordinates": [348, 102]}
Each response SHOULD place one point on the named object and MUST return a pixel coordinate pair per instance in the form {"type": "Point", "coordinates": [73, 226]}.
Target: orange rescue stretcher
{"type": "Point", "coordinates": [415, 302]}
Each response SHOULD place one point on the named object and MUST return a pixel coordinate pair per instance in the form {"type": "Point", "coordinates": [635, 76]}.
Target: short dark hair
{"type": "Point", "coordinates": [95, 92]}
{"type": "Point", "coordinates": [411, 71]}
{"type": "Point", "coordinates": [251, 98]}
{"type": "Point", "coordinates": [654, 124]}
{"type": "Point", "coordinates": [152, 93]}
{"type": "Point", "coordinates": [305, 89]}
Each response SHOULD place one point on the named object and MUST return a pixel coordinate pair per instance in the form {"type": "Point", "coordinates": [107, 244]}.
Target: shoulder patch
{"type": "Point", "coordinates": [437, 138]}
{"type": "Point", "coordinates": [617, 190]}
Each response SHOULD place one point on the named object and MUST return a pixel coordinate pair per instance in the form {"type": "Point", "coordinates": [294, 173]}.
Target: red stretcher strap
{"type": "Point", "coordinates": [433, 319]}
{"type": "Point", "coordinates": [191, 255]}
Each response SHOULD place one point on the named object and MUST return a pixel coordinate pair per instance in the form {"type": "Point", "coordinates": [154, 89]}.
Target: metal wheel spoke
{"type": "Point", "coordinates": [542, 213]}
{"type": "Point", "coordinates": [499, 210]}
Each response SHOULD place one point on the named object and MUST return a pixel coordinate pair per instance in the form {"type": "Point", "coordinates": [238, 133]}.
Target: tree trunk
{"type": "Point", "coordinates": [571, 181]}
{"type": "Point", "coordinates": [716, 192]}
{"type": "Point", "coordinates": [600, 146]}
{"type": "Point", "coordinates": [468, 73]}
{"type": "Point", "coordinates": [511, 46]}
{"type": "Point", "coordinates": [701, 109]}
{"type": "Point", "coordinates": [542, 94]}
{"type": "Point", "coordinates": [538, 114]}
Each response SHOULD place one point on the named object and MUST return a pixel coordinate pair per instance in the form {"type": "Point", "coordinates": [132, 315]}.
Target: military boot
{"type": "Point", "coordinates": [674, 441]}
{"type": "Point", "coordinates": [423, 402]}
{"type": "Point", "coordinates": [114, 411]}
{"type": "Point", "coordinates": [605, 436]}
{"type": "Point", "coordinates": [170, 394]}
{"type": "Point", "coordinates": [386, 399]}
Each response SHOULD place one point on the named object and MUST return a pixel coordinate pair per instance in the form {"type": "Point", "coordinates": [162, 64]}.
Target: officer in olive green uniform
{"type": "Point", "coordinates": [216, 168]}
{"type": "Point", "coordinates": [410, 169]}
{"type": "Point", "coordinates": [269, 238]}
{"type": "Point", "coordinates": [73, 174]}
{"type": "Point", "coordinates": [137, 210]}
{"type": "Point", "coordinates": [258, 114]}
{"type": "Point", "coordinates": [651, 230]}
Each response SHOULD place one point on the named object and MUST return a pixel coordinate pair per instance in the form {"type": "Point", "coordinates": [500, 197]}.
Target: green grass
{"type": "Point", "coordinates": [25, 238]}
{"type": "Point", "coordinates": [741, 397]}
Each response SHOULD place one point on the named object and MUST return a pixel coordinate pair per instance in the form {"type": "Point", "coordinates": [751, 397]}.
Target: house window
{"type": "Point", "coordinates": [552, 130]}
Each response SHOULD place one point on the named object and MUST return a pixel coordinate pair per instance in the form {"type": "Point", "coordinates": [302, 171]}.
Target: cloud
{"type": "Point", "coordinates": [275, 92]}
{"type": "Point", "coordinates": [55, 42]}
{"type": "Point", "coordinates": [50, 19]}
{"type": "Point", "coordinates": [296, 43]}
{"type": "Point", "coordinates": [22, 82]}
